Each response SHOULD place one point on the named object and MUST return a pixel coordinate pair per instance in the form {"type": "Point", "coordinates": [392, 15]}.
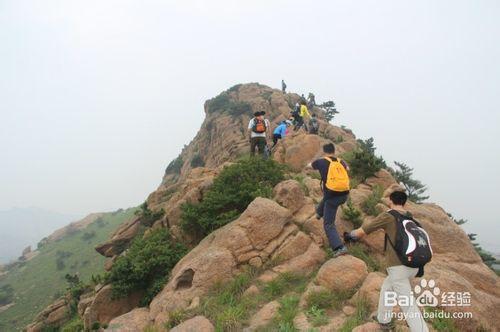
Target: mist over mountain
{"type": "Point", "coordinates": [22, 227]}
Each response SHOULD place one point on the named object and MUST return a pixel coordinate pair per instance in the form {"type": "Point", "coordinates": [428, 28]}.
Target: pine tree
{"type": "Point", "coordinates": [330, 110]}
{"type": "Point", "coordinates": [414, 187]}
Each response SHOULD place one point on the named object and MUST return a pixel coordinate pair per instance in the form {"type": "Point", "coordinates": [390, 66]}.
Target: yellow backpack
{"type": "Point", "coordinates": [337, 178]}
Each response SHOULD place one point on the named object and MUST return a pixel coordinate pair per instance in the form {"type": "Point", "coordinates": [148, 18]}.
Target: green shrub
{"type": "Point", "coordinates": [95, 326]}
{"type": "Point", "coordinates": [88, 236]}
{"type": "Point", "coordinates": [233, 189]}
{"type": "Point", "coordinates": [352, 214]}
{"type": "Point", "coordinates": [363, 162]}
{"type": "Point", "coordinates": [74, 325]}
{"type": "Point", "coordinates": [175, 166]}
{"type": "Point", "coordinates": [369, 206]}
{"type": "Point", "coordinates": [148, 217]}
{"type": "Point", "coordinates": [415, 188]}
{"type": "Point", "coordinates": [197, 161]}
{"type": "Point", "coordinates": [6, 294]}
{"type": "Point", "coordinates": [146, 265]}
{"type": "Point", "coordinates": [224, 104]}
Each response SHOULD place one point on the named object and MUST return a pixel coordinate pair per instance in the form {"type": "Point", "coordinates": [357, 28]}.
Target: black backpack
{"type": "Point", "coordinates": [413, 245]}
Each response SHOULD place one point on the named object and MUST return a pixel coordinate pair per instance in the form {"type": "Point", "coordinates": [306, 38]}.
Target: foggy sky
{"type": "Point", "coordinates": [96, 97]}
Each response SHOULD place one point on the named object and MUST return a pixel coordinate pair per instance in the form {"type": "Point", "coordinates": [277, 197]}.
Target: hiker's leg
{"type": "Point", "coordinates": [329, 214]}
{"type": "Point", "coordinates": [384, 311]}
{"type": "Point", "coordinates": [261, 143]}
{"type": "Point", "coordinates": [253, 145]}
{"type": "Point", "coordinates": [400, 280]}
{"type": "Point", "coordinates": [276, 137]}
{"type": "Point", "coordinates": [320, 208]}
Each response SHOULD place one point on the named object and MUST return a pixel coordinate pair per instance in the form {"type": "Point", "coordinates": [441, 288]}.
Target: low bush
{"type": "Point", "coordinates": [284, 283]}
{"type": "Point", "coordinates": [352, 214]}
{"type": "Point", "coordinates": [6, 294]}
{"type": "Point", "coordinates": [317, 316]}
{"type": "Point", "coordinates": [146, 265]}
{"type": "Point", "coordinates": [197, 161]}
{"type": "Point", "coordinates": [224, 104]}
{"type": "Point", "coordinates": [369, 206]}
{"type": "Point", "coordinates": [175, 166]}
{"type": "Point", "coordinates": [232, 191]}
{"type": "Point", "coordinates": [148, 217]}
{"type": "Point", "coordinates": [363, 162]}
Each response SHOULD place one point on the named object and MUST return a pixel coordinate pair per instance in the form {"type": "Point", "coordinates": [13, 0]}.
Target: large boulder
{"type": "Point", "coordinates": [104, 307]}
{"type": "Point", "coordinates": [264, 316]}
{"type": "Point", "coordinates": [298, 150]}
{"type": "Point", "coordinates": [55, 314]}
{"type": "Point", "coordinates": [370, 289]}
{"type": "Point", "coordinates": [120, 238]}
{"type": "Point", "coordinates": [342, 273]}
{"type": "Point", "coordinates": [195, 324]}
{"type": "Point", "coordinates": [289, 194]}
{"type": "Point", "coordinates": [258, 232]}
{"type": "Point", "coordinates": [135, 320]}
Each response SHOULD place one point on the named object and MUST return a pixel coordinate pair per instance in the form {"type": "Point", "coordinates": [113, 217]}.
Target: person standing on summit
{"type": "Point", "coordinates": [335, 184]}
{"type": "Point", "coordinates": [258, 129]}
{"type": "Point", "coordinates": [283, 86]}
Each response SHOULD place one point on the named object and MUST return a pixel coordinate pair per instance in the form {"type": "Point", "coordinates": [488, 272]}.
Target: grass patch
{"type": "Point", "coordinates": [283, 321]}
{"type": "Point", "coordinates": [361, 314]}
{"type": "Point", "coordinates": [176, 317]}
{"type": "Point", "coordinates": [226, 306]}
{"type": "Point", "coordinates": [352, 214]}
{"type": "Point", "coordinates": [440, 323]}
{"type": "Point", "coordinates": [284, 283]}
{"type": "Point", "coordinates": [362, 252]}
{"type": "Point", "coordinates": [317, 316]}
{"type": "Point", "coordinates": [369, 206]}
{"type": "Point", "coordinates": [328, 300]}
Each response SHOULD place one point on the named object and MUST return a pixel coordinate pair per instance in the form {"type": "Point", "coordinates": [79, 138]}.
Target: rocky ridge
{"type": "Point", "coordinates": [277, 236]}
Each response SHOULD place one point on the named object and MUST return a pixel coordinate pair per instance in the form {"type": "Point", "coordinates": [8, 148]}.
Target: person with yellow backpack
{"type": "Point", "coordinates": [335, 185]}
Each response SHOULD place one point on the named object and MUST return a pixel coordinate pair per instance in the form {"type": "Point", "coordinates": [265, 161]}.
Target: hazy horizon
{"type": "Point", "coordinates": [98, 97]}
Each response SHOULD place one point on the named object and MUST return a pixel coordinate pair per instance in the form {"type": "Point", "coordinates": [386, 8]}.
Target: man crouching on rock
{"type": "Point", "coordinates": [398, 277]}
{"type": "Point", "coordinates": [335, 185]}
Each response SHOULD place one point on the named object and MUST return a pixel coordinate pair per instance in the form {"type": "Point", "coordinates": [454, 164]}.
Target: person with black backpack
{"type": "Point", "coordinates": [258, 128]}
{"type": "Point", "coordinates": [407, 250]}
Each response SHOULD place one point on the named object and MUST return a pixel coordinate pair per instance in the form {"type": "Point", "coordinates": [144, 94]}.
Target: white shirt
{"type": "Point", "coordinates": [254, 134]}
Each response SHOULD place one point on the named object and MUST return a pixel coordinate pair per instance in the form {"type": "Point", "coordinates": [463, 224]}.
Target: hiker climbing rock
{"type": "Point", "coordinates": [283, 86]}
{"type": "Point", "coordinates": [404, 234]}
{"type": "Point", "coordinates": [300, 119]}
{"type": "Point", "coordinates": [258, 127]}
{"type": "Point", "coordinates": [281, 131]}
{"type": "Point", "coordinates": [311, 100]}
{"type": "Point", "coordinates": [313, 125]}
{"type": "Point", "coordinates": [335, 183]}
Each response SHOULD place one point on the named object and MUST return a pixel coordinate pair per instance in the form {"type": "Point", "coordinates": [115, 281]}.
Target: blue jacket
{"type": "Point", "coordinates": [280, 130]}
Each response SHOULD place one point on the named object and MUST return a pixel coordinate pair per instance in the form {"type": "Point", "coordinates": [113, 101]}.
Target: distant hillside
{"type": "Point", "coordinates": [39, 281]}
{"type": "Point", "coordinates": [22, 227]}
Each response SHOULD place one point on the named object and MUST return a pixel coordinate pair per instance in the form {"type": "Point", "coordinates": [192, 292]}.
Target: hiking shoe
{"type": "Point", "coordinates": [383, 326]}
{"type": "Point", "coordinates": [340, 252]}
